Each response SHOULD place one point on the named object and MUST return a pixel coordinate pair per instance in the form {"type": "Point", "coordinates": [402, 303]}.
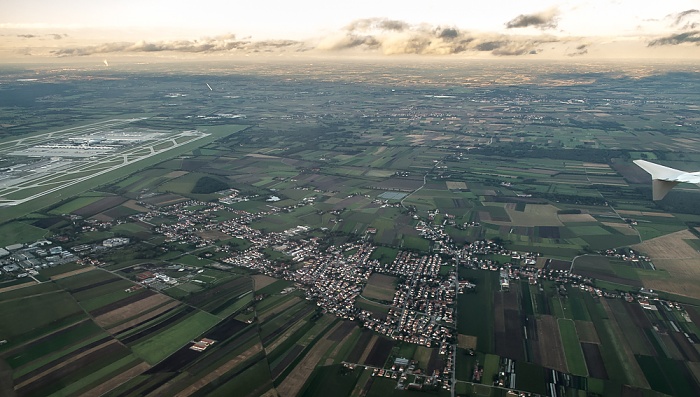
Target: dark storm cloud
{"type": "Point", "coordinates": [692, 36]}
{"type": "Point", "coordinates": [541, 20]}
{"type": "Point", "coordinates": [206, 45]}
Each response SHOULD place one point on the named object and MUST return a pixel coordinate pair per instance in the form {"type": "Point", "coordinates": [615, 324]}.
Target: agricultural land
{"type": "Point", "coordinates": [371, 229]}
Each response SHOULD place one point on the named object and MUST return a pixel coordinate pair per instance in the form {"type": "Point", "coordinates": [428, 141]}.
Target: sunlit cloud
{"type": "Point", "coordinates": [206, 45]}
{"type": "Point", "coordinates": [391, 37]}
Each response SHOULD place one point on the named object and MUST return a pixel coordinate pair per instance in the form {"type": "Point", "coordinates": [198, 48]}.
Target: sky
{"type": "Point", "coordinates": [493, 28]}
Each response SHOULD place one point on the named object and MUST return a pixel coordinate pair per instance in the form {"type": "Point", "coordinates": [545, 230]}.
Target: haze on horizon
{"type": "Point", "coordinates": [545, 29]}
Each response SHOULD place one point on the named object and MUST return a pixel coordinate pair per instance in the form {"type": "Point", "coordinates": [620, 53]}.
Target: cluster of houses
{"type": "Point", "coordinates": [19, 260]}
{"type": "Point", "coordinates": [422, 310]}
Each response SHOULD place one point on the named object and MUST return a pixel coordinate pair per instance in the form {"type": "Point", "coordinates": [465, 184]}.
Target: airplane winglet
{"type": "Point", "coordinates": [663, 178]}
{"type": "Point", "coordinates": [660, 188]}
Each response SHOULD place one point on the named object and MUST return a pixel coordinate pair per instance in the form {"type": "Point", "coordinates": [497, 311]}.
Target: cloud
{"type": "Point", "coordinates": [509, 47]}
{"type": "Point", "coordinates": [392, 37]}
{"type": "Point", "coordinates": [56, 36]}
{"type": "Point", "coordinates": [692, 36]}
{"type": "Point", "coordinates": [342, 41]}
{"type": "Point", "coordinates": [369, 35]}
{"type": "Point", "coordinates": [377, 24]}
{"type": "Point", "coordinates": [205, 45]}
{"type": "Point", "coordinates": [542, 20]}
{"type": "Point", "coordinates": [683, 16]}
{"type": "Point", "coordinates": [580, 50]}
{"type": "Point", "coordinates": [686, 24]}
{"type": "Point", "coordinates": [448, 33]}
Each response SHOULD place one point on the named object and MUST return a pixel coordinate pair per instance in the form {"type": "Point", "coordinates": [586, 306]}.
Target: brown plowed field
{"type": "Point", "coordinates": [380, 287]}
{"type": "Point", "coordinates": [533, 340]}
{"type": "Point", "coordinates": [145, 317]}
{"type": "Point", "coordinates": [639, 318]}
{"type": "Point", "coordinates": [551, 349]}
{"type": "Point", "coordinates": [646, 213]}
{"type": "Point", "coordinates": [510, 299]}
{"type": "Point", "coordinates": [499, 321]}
{"type": "Point", "coordinates": [275, 310]}
{"type": "Point", "coordinates": [514, 336]}
{"type": "Point", "coordinates": [127, 307]}
{"type": "Point", "coordinates": [368, 348]}
{"type": "Point", "coordinates": [135, 206]}
{"type": "Point", "coordinates": [287, 333]}
{"type": "Point", "coordinates": [213, 235]}
{"type": "Point", "coordinates": [586, 332]}
{"type": "Point", "coordinates": [380, 352]}
{"type": "Point", "coordinates": [100, 206]}
{"type": "Point", "coordinates": [73, 273]}
{"type": "Point", "coordinates": [566, 218]}
{"type": "Point", "coordinates": [594, 361]}
{"type": "Point", "coordinates": [164, 199]}
{"type": "Point", "coordinates": [347, 333]}
{"type": "Point", "coordinates": [67, 366]}
{"type": "Point", "coordinates": [292, 384]}
{"type": "Point", "coordinates": [341, 332]}
{"type": "Point", "coordinates": [215, 374]}
{"type": "Point", "coordinates": [670, 246]}
{"type": "Point", "coordinates": [116, 380]}
{"type": "Point", "coordinates": [288, 359]}
{"type": "Point", "coordinates": [687, 349]}
{"type": "Point", "coordinates": [673, 254]}
{"type": "Point", "coordinates": [262, 281]}
{"type": "Point", "coordinates": [466, 341]}
{"type": "Point", "coordinates": [18, 286]}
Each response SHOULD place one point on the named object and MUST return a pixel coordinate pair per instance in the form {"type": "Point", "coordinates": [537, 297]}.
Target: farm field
{"type": "Point", "coordinates": [290, 228]}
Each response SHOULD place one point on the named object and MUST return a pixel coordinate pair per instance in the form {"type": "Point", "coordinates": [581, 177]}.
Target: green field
{"type": "Point", "coordinates": [491, 363]}
{"type": "Point", "coordinates": [530, 377]}
{"type": "Point", "coordinates": [78, 333]}
{"type": "Point", "coordinates": [74, 204]}
{"type": "Point", "coordinates": [20, 232]}
{"type": "Point", "coordinates": [370, 156]}
{"type": "Point", "coordinates": [479, 304]}
{"type": "Point", "coordinates": [572, 348]}
{"type": "Point", "coordinates": [37, 315]}
{"type": "Point", "coordinates": [161, 345]}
